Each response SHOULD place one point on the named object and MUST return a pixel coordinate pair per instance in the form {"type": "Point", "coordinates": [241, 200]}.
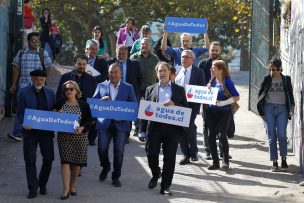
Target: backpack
{"type": "Point", "coordinates": [41, 56]}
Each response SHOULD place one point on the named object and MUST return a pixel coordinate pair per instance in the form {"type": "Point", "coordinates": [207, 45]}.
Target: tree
{"type": "Point", "coordinates": [226, 18]}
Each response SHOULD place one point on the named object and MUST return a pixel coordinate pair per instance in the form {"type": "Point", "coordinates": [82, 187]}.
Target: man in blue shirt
{"type": "Point", "coordinates": [27, 60]}
{"type": "Point", "coordinates": [186, 42]}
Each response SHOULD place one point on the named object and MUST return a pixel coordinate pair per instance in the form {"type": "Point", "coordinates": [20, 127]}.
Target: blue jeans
{"type": "Point", "coordinates": [275, 124]}
{"type": "Point", "coordinates": [104, 139]}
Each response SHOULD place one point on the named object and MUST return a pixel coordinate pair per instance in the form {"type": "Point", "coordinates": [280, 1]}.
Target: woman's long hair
{"type": "Point", "coordinates": [101, 44]}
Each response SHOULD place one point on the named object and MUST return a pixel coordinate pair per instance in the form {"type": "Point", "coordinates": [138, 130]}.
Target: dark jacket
{"type": "Point", "coordinates": [86, 116]}
{"type": "Point", "coordinates": [197, 78]}
{"type": "Point", "coordinates": [87, 87]}
{"type": "Point", "coordinates": [134, 74]}
{"type": "Point", "coordinates": [266, 85]}
{"type": "Point", "coordinates": [28, 100]}
{"type": "Point", "coordinates": [102, 67]}
{"type": "Point", "coordinates": [178, 97]}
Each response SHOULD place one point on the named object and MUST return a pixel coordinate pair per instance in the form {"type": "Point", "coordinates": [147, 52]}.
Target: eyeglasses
{"type": "Point", "coordinates": [186, 57]}
{"type": "Point", "coordinates": [275, 69]}
{"type": "Point", "coordinates": [69, 89]}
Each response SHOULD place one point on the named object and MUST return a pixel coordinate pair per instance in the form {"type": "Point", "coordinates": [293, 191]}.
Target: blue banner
{"type": "Point", "coordinates": [190, 25]}
{"type": "Point", "coordinates": [50, 120]}
{"type": "Point", "coordinates": [118, 110]}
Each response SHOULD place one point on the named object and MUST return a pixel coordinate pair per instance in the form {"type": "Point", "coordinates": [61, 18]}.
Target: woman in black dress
{"type": "Point", "coordinates": [73, 146]}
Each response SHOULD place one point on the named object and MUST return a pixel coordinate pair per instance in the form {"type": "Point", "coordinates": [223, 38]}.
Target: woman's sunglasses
{"type": "Point", "coordinates": [69, 89]}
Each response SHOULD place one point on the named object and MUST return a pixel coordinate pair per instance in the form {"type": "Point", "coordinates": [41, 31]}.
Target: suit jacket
{"type": "Point", "coordinates": [87, 87]}
{"type": "Point", "coordinates": [197, 78]}
{"type": "Point", "coordinates": [102, 67]}
{"type": "Point", "coordinates": [125, 93]}
{"type": "Point", "coordinates": [27, 99]}
{"type": "Point", "coordinates": [134, 74]}
{"type": "Point", "coordinates": [178, 97]}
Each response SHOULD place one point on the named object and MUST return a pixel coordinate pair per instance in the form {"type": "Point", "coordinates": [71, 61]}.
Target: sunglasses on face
{"type": "Point", "coordinates": [69, 89]}
{"type": "Point", "coordinates": [275, 69]}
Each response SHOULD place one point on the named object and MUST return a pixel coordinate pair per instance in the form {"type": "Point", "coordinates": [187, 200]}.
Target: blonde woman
{"type": "Point", "coordinates": [73, 146]}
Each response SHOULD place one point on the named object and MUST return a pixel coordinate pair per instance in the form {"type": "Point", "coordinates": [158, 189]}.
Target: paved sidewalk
{"type": "Point", "coordinates": [250, 179]}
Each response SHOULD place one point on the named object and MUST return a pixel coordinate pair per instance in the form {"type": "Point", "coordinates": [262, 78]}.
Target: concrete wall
{"type": "Point", "coordinates": [4, 29]}
{"type": "Point", "coordinates": [292, 54]}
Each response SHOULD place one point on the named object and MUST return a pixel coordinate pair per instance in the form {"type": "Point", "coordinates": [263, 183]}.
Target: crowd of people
{"type": "Point", "coordinates": [142, 69]}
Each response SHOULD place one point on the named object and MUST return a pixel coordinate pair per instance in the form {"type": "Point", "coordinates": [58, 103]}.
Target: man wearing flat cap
{"type": "Point", "coordinates": [36, 96]}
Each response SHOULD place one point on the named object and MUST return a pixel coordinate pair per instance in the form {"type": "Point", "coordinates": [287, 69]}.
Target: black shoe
{"type": "Point", "coordinates": [225, 166]}
{"type": "Point", "coordinates": [275, 166]}
{"type": "Point", "coordinates": [92, 143]}
{"type": "Point", "coordinates": [16, 137]}
{"type": "Point", "coordinates": [153, 181]}
{"type": "Point", "coordinates": [185, 161]}
{"type": "Point", "coordinates": [73, 193]}
{"type": "Point", "coordinates": [32, 195]}
{"type": "Point", "coordinates": [43, 190]}
{"type": "Point", "coordinates": [213, 167]}
{"type": "Point", "coordinates": [207, 156]}
{"type": "Point", "coordinates": [194, 158]}
{"type": "Point", "coordinates": [104, 173]}
{"type": "Point", "coordinates": [65, 197]}
{"type": "Point", "coordinates": [116, 183]}
{"type": "Point", "coordinates": [284, 164]}
{"type": "Point", "coordinates": [166, 192]}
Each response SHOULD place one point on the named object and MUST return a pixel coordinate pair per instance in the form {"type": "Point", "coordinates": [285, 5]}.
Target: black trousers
{"type": "Point", "coordinates": [188, 141]}
{"type": "Point", "coordinates": [30, 143]}
{"type": "Point", "coordinates": [168, 136]}
{"type": "Point", "coordinates": [92, 133]}
{"type": "Point", "coordinates": [218, 122]}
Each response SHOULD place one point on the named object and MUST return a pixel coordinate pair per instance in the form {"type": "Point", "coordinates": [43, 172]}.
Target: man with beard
{"type": "Point", "coordinates": [214, 54]}
{"type": "Point", "coordinates": [85, 81]}
{"type": "Point", "coordinates": [36, 96]}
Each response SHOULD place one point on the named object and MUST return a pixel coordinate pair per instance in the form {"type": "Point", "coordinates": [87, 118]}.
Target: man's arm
{"type": "Point", "coordinates": [16, 72]}
{"type": "Point", "coordinates": [207, 41]}
{"type": "Point", "coordinates": [164, 46]}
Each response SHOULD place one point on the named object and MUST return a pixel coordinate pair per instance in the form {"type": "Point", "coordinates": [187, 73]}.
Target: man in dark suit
{"type": "Point", "coordinates": [36, 96]}
{"type": "Point", "coordinates": [205, 65]}
{"type": "Point", "coordinates": [86, 83]}
{"type": "Point", "coordinates": [131, 73]}
{"type": "Point", "coordinates": [160, 134]}
{"type": "Point", "coordinates": [189, 74]}
{"type": "Point", "coordinates": [99, 64]}
{"type": "Point", "coordinates": [117, 90]}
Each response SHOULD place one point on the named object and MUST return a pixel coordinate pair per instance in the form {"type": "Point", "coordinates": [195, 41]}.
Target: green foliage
{"type": "Point", "coordinates": [228, 20]}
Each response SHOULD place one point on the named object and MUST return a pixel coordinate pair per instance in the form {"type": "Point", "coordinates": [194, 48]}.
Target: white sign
{"type": "Point", "coordinates": [201, 94]}
{"type": "Point", "coordinates": [174, 115]}
{"type": "Point", "coordinates": [92, 71]}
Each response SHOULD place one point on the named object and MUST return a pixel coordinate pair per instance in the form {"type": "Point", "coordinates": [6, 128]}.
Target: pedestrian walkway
{"type": "Point", "coordinates": [249, 180]}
